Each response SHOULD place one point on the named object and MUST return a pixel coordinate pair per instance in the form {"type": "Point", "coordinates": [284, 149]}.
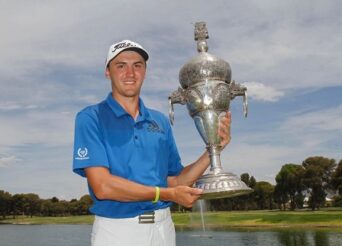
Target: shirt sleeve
{"type": "Point", "coordinates": [89, 149]}
{"type": "Point", "coordinates": [175, 165]}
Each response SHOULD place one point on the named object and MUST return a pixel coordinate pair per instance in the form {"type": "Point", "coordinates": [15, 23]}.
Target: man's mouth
{"type": "Point", "coordinates": [129, 82]}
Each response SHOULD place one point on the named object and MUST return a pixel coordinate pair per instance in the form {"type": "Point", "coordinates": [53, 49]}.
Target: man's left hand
{"type": "Point", "coordinates": [224, 129]}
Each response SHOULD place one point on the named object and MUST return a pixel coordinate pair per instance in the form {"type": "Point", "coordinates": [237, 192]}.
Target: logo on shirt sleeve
{"type": "Point", "coordinates": [82, 154]}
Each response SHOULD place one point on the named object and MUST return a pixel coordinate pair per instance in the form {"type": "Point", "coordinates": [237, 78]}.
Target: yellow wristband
{"type": "Point", "coordinates": [156, 198]}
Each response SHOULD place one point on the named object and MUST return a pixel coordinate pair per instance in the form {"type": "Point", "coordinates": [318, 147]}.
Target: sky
{"type": "Point", "coordinates": [287, 53]}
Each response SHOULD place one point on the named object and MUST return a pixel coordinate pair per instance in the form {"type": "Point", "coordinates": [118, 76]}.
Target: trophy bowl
{"type": "Point", "coordinates": [207, 89]}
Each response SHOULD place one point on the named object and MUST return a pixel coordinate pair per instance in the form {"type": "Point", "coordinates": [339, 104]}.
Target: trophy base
{"type": "Point", "coordinates": [221, 185]}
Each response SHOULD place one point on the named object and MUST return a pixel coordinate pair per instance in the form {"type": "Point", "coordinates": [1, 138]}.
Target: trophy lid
{"type": "Point", "coordinates": [205, 66]}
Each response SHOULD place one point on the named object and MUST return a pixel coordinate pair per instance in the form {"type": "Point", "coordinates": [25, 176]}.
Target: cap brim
{"type": "Point", "coordinates": [142, 52]}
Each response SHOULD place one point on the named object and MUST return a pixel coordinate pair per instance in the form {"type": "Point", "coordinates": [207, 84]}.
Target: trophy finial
{"type": "Point", "coordinates": [201, 34]}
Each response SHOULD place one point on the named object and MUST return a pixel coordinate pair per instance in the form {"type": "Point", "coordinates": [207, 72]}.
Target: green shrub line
{"type": "Point", "coordinates": [215, 219]}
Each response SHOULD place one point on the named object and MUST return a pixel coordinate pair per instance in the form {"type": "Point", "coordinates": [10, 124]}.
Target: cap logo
{"type": "Point", "coordinates": [122, 45]}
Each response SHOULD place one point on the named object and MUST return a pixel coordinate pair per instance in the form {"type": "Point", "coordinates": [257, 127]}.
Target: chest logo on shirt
{"type": "Point", "coordinates": [153, 127]}
{"type": "Point", "coordinates": [82, 154]}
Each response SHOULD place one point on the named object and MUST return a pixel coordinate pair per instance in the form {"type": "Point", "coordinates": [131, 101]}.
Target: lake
{"type": "Point", "coordinates": [79, 235]}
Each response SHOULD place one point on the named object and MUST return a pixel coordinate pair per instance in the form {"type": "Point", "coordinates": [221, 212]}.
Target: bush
{"type": "Point", "coordinates": [337, 201]}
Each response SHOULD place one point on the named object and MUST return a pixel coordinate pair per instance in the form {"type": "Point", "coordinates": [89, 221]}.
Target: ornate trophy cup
{"type": "Point", "coordinates": [207, 89]}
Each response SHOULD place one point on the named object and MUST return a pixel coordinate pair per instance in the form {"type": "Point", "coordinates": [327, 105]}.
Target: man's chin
{"type": "Point", "coordinates": [131, 94]}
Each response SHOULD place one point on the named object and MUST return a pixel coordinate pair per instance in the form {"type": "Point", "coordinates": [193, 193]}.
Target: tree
{"type": "Point", "coordinates": [5, 203]}
{"type": "Point", "coordinates": [33, 204]}
{"type": "Point", "coordinates": [245, 178]}
{"type": "Point", "coordinates": [19, 204]}
{"type": "Point", "coordinates": [54, 199]}
{"type": "Point", "coordinates": [58, 208]}
{"type": "Point", "coordinates": [87, 200]}
{"type": "Point", "coordinates": [290, 186]}
{"type": "Point", "coordinates": [85, 204]}
{"type": "Point", "coordinates": [263, 193]}
{"type": "Point", "coordinates": [336, 180]}
{"type": "Point", "coordinates": [46, 208]}
{"type": "Point", "coordinates": [317, 179]}
{"type": "Point", "coordinates": [246, 202]}
{"type": "Point", "coordinates": [337, 201]}
{"type": "Point", "coordinates": [252, 182]}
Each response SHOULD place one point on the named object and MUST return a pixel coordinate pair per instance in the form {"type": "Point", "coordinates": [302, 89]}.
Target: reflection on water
{"type": "Point", "coordinates": [307, 238]}
{"type": "Point", "coordinates": [79, 235]}
{"type": "Point", "coordinates": [281, 237]}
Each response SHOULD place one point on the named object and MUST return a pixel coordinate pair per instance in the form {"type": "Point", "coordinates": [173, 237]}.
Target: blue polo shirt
{"type": "Point", "coordinates": [143, 151]}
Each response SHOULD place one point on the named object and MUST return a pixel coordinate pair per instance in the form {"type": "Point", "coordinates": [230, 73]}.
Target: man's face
{"type": "Point", "coordinates": [127, 73]}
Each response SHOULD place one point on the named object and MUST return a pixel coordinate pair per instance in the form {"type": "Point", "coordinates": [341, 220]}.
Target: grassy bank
{"type": "Point", "coordinates": [218, 219]}
{"type": "Point", "coordinates": [262, 219]}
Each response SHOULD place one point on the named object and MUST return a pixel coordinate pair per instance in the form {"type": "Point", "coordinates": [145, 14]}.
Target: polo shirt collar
{"type": "Point", "coordinates": [119, 111]}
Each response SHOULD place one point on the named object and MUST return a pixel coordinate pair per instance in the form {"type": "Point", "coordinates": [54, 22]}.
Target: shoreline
{"type": "Point", "coordinates": [256, 227]}
{"type": "Point", "coordinates": [209, 227]}
{"type": "Point", "coordinates": [324, 219]}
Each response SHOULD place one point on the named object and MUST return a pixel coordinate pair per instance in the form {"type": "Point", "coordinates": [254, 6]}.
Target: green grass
{"type": "Point", "coordinates": [218, 219]}
{"type": "Point", "coordinates": [262, 219]}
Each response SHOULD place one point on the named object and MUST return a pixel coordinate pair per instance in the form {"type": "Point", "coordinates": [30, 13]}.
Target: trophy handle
{"type": "Point", "coordinates": [239, 90]}
{"type": "Point", "coordinates": [171, 111]}
{"type": "Point", "coordinates": [245, 104]}
{"type": "Point", "coordinates": [175, 97]}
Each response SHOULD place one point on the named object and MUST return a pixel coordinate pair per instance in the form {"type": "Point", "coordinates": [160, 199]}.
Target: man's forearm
{"type": "Point", "coordinates": [192, 172]}
{"type": "Point", "coordinates": [109, 187]}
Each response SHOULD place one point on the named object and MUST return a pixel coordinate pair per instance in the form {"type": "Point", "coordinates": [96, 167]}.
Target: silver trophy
{"type": "Point", "coordinates": [207, 89]}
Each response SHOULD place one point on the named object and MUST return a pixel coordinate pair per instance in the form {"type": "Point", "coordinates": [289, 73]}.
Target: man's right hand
{"type": "Point", "coordinates": [183, 195]}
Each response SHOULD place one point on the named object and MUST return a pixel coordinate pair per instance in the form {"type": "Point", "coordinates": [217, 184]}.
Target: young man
{"type": "Point", "coordinates": [128, 155]}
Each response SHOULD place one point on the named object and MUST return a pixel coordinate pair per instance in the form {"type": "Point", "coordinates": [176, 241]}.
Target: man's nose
{"type": "Point", "coordinates": [130, 71]}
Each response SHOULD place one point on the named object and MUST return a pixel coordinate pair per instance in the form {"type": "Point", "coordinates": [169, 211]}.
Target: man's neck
{"type": "Point", "coordinates": [130, 104]}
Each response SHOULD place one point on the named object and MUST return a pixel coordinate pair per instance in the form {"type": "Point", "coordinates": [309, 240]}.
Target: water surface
{"type": "Point", "coordinates": [257, 237]}
{"type": "Point", "coordinates": [79, 235]}
{"type": "Point", "coordinates": [45, 235]}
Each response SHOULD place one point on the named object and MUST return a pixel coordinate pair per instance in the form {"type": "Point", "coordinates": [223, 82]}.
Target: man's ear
{"type": "Point", "coordinates": [107, 73]}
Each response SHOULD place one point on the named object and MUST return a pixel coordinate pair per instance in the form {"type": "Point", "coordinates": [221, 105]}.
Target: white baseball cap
{"type": "Point", "coordinates": [117, 48]}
